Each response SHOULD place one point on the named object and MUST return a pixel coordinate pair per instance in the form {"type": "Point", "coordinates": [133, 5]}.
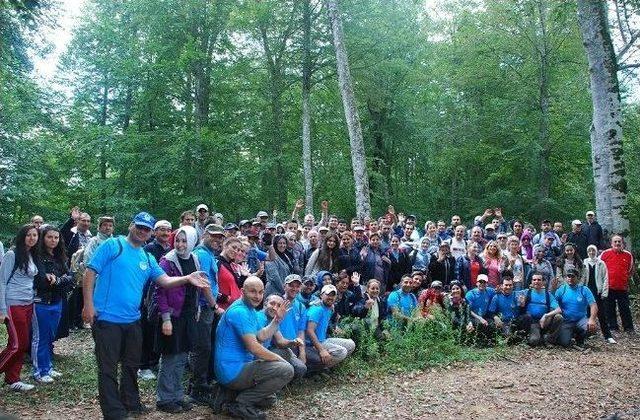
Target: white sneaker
{"type": "Point", "coordinates": [21, 386]}
{"type": "Point", "coordinates": [46, 379]}
{"type": "Point", "coordinates": [55, 374]}
{"type": "Point", "coordinates": [611, 340]}
{"type": "Point", "coordinates": [146, 375]}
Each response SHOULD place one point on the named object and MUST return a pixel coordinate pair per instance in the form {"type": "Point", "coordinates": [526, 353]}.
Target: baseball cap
{"type": "Point", "coordinates": [576, 222]}
{"type": "Point", "coordinates": [291, 278]}
{"type": "Point", "coordinates": [105, 219]}
{"type": "Point", "coordinates": [324, 228]}
{"type": "Point", "coordinates": [262, 213]}
{"type": "Point", "coordinates": [482, 277]}
{"type": "Point", "coordinates": [162, 223]}
{"type": "Point", "coordinates": [218, 216]}
{"type": "Point", "coordinates": [144, 219]}
{"type": "Point", "coordinates": [490, 226]}
{"type": "Point", "coordinates": [411, 216]}
{"type": "Point", "coordinates": [590, 213]}
{"type": "Point", "coordinates": [572, 272]}
{"type": "Point", "coordinates": [308, 279]}
{"type": "Point", "coordinates": [202, 207]}
{"type": "Point", "coordinates": [230, 226]}
{"type": "Point", "coordinates": [329, 288]}
{"type": "Point", "coordinates": [244, 222]}
{"type": "Point", "coordinates": [549, 235]}
{"type": "Point", "coordinates": [213, 229]}
{"type": "Point", "coordinates": [358, 228]}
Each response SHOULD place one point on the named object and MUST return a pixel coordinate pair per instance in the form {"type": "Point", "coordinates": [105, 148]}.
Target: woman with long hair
{"type": "Point", "coordinates": [568, 260]}
{"type": "Point", "coordinates": [492, 258]}
{"type": "Point", "coordinates": [17, 274]}
{"type": "Point", "coordinates": [514, 262]}
{"type": "Point", "coordinates": [278, 267]}
{"type": "Point", "coordinates": [228, 276]}
{"type": "Point", "coordinates": [325, 258]}
{"type": "Point", "coordinates": [468, 267]}
{"type": "Point", "coordinates": [52, 284]}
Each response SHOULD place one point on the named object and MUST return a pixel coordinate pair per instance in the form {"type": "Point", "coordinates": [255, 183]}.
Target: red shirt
{"type": "Point", "coordinates": [619, 266]}
{"type": "Point", "coordinates": [475, 270]}
{"type": "Point", "coordinates": [228, 287]}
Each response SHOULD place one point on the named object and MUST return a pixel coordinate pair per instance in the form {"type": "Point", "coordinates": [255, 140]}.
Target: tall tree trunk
{"type": "Point", "coordinates": [128, 103]}
{"type": "Point", "coordinates": [606, 128]}
{"type": "Point", "coordinates": [103, 146]}
{"type": "Point", "coordinates": [381, 155]}
{"type": "Point", "coordinates": [358, 157]}
{"type": "Point", "coordinates": [544, 174]}
{"type": "Point", "coordinates": [306, 107]}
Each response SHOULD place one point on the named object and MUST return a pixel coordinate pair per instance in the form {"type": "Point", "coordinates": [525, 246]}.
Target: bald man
{"type": "Point", "coordinates": [247, 373]}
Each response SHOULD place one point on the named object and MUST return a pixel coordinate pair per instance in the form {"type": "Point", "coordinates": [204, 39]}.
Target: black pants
{"type": "Point", "coordinates": [200, 356]}
{"type": "Point", "coordinates": [149, 358]}
{"type": "Point", "coordinates": [117, 344]}
{"type": "Point", "coordinates": [74, 314]}
{"type": "Point", "coordinates": [621, 299]}
{"type": "Point", "coordinates": [603, 315]}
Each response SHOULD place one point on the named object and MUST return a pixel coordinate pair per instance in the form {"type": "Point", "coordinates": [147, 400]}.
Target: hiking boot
{"type": "Point", "coordinates": [170, 407]}
{"type": "Point", "coordinates": [244, 411]}
{"type": "Point", "coordinates": [21, 387]}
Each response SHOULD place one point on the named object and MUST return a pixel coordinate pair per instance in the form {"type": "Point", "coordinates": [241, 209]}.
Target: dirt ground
{"type": "Point", "coordinates": [549, 383]}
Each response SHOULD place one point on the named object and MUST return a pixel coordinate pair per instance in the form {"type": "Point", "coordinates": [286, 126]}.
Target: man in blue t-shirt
{"type": "Point", "coordinates": [324, 352]}
{"type": "Point", "coordinates": [574, 300]}
{"type": "Point", "coordinates": [479, 300]}
{"type": "Point", "coordinates": [248, 374]}
{"type": "Point", "coordinates": [402, 303]}
{"type": "Point", "coordinates": [543, 308]}
{"type": "Point", "coordinates": [506, 312]}
{"type": "Point", "coordinates": [114, 311]}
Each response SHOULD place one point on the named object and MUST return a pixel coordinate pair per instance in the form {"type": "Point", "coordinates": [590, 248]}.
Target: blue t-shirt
{"type": "Point", "coordinates": [321, 315]}
{"type": "Point", "coordinates": [504, 305]}
{"type": "Point", "coordinates": [263, 321]}
{"type": "Point", "coordinates": [479, 300]}
{"type": "Point", "coordinates": [405, 302]}
{"type": "Point", "coordinates": [119, 286]}
{"type": "Point", "coordinates": [208, 264]}
{"type": "Point", "coordinates": [230, 351]}
{"type": "Point", "coordinates": [538, 303]}
{"type": "Point", "coordinates": [295, 320]}
{"type": "Point", "coordinates": [574, 301]}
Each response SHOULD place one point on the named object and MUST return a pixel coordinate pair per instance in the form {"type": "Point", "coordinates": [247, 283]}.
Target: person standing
{"type": "Point", "coordinates": [17, 274]}
{"type": "Point", "coordinates": [202, 212]}
{"type": "Point", "coordinates": [620, 268]}
{"type": "Point", "coordinates": [593, 230]}
{"type": "Point", "coordinates": [596, 278]}
{"type": "Point", "coordinates": [123, 265]}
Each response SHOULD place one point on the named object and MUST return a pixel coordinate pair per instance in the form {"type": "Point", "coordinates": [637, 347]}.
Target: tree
{"type": "Point", "coordinates": [358, 157]}
{"type": "Point", "coordinates": [606, 130]}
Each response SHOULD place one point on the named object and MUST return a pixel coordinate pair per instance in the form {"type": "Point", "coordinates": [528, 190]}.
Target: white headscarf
{"type": "Point", "coordinates": [192, 238]}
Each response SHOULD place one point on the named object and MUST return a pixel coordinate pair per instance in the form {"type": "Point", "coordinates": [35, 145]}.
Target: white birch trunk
{"type": "Point", "coordinates": [606, 129]}
{"type": "Point", "coordinates": [358, 157]}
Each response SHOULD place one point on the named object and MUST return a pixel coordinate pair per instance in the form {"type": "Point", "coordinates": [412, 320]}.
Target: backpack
{"type": "Point", "coordinates": [559, 298]}
{"type": "Point", "coordinates": [547, 297]}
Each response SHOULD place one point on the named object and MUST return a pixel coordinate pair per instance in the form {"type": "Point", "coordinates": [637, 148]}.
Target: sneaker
{"type": "Point", "coordinates": [185, 404]}
{"type": "Point", "coordinates": [46, 379]}
{"type": "Point", "coordinates": [245, 411]}
{"type": "Point", "coordinates": [55, 374]}
{"type": "Point", "coordinates": [171, 407]}
{"type": "Point", "coordinates": [146, 375]}
{"type": "Point", "coordinates": [21, 386]}
{"type": "Point", "coordinates": [611, 340]}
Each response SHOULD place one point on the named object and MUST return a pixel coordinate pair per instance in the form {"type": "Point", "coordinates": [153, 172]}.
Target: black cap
{"type": "Point", "coordinates": [230, 226]}
{"type": "Point", "coordinates": [572, 272]}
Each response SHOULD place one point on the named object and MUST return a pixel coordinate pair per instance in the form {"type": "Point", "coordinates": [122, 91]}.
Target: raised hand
{"type": "Point", "coordinates": [299, 204]}
{"type": "Point", "coordinates": [355, 278]}
{"type": "Point", "coordinates": [282, 310]}
{"type": "Point", "coordinates": [75, 213]}
{"type": "Point", "coordinates": [324, 205]}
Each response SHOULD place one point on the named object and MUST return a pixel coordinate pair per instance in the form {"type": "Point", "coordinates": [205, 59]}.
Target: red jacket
{"type": "Point", "coordinates": [619, 266]}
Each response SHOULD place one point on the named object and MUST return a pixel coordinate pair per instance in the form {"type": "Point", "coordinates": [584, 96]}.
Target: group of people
{"type": "Point", "coordinates": [247, 308]}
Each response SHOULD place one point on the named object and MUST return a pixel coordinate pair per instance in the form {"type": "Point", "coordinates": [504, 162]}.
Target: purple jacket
{"type": "Point", "coordinates": [170, 301]}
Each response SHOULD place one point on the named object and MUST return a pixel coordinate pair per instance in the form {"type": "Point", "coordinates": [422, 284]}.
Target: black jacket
{"type": "Point", "coordinates": [46, 292]}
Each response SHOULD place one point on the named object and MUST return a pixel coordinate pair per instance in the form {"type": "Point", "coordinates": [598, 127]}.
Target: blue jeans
{"type": "Point", "coordinates": [170, 378]}
{"type": "Point", "coordinates": [44, 325]}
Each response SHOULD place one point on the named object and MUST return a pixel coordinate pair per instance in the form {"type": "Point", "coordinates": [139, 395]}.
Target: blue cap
{"type": "Point", "coordinates": [144, 219]}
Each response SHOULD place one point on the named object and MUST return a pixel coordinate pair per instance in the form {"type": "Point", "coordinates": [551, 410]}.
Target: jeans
{"type": "Point", "coordinates": [621, 299]}
{"type": "Point", "coordinates": [338, 348]}
{"type": "Point", "coordinates": [117, 344]}
{"type": "Point", "coordinates": [260, 380]}
{"type": "Point", "coordinates": [569, 329]}
{"type": "Point", "coordinates": [170, 375]}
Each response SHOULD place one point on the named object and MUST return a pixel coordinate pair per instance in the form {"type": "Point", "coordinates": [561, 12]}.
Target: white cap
{"type": "Point", "coordinates": [162, 223]}
{"type": "Point", "coordinates": [329, 288]}
{"type": "Point", "coordinates": [202, 206]}
{"type": "Point", "coordinates": [482, 277]}
{"type": "Point", "coordinates": [590, 213]}
{"type": "Point", "coordinates": [576, 222]}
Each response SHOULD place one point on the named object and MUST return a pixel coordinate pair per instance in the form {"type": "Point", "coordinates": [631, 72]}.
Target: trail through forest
{"type": "Point", "coordinates": [545, 383]}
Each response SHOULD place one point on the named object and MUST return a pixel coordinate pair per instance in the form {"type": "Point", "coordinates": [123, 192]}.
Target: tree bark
{"type": "Point", "coordinates": [306, 107]}
{"type": "Point", "coordinates": [358, 157]}
{"type": "Point", "coordinates": [606, 128]}
{"type": "Point", "coordinates": [544, 174]}
{"type": "Point", "coordinates": [103, 146]}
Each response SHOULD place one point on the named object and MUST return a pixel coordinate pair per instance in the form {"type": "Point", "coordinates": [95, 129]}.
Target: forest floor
{"type": "Point", "coordinates": [520, 383]}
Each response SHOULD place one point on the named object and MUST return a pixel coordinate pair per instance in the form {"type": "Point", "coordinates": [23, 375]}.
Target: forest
{"type": "Point", "coordinates": [462, 105]}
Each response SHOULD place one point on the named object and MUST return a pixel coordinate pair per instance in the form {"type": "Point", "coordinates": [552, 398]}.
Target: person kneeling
{"type": "Point", "coordinates": [506, 317]}
{"type": "Point", "coordinates": [243, 365]}
{"type": "Point", "coordinates": [323, 352]}
{"type": "Point", "coordinates": [574, 299]}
